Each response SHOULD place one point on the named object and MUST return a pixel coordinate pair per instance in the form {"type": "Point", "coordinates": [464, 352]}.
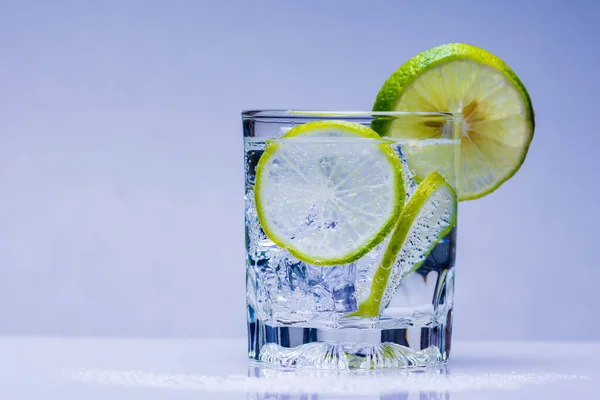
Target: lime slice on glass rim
{"type": "Point", "coordinates": [498, 116]}
{"type": "Point", "coordinates": [329, 191]}
{"type": "Point", "coordinates": [428, 216]}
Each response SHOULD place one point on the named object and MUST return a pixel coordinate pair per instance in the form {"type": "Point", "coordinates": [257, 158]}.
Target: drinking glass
{"type": "Point", "coordinates": [350, 239]}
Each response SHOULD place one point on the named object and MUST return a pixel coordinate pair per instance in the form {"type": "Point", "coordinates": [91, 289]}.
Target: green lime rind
{"type": "Point", "coordinates": [357, 130]}
{"type": "Point", "coordinates": [371, 307]}
{"type": "Point", "coordinates": [394, 87]}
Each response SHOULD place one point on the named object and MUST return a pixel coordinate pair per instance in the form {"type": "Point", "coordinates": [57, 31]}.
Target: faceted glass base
{"type": "Point", "coordinates": [349, 349]}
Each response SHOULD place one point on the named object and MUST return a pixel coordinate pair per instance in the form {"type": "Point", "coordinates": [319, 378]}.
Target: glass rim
{"type": "Point", "coordinates": [288, 114]}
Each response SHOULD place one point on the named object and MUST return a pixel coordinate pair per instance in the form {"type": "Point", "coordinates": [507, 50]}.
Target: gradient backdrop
{"type": "Point", "coordinates": [121, 164]}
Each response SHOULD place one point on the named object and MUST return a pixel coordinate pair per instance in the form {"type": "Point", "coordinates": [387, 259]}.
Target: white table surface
{"type": "Point", "coordinates": [114, 369]}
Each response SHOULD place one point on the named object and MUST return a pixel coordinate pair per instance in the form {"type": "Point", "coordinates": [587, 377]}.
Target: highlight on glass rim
{"type": "Point", "coordinates": [351, 217]}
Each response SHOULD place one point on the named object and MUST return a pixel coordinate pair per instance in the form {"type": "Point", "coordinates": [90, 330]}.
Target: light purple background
{"type": "Point", "coordinates": [121, 156]}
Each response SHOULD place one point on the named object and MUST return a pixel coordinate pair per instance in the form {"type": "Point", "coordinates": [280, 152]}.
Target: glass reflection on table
{"type": "Point", "coordinates": [305, 384]}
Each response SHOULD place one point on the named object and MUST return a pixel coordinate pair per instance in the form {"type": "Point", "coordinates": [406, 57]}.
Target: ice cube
{"type": "Point", "coordinates": [339, 281]}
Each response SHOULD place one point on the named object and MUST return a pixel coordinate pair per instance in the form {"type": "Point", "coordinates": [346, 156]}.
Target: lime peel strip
{"type": "Point", "coordinates": [371, 306]}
